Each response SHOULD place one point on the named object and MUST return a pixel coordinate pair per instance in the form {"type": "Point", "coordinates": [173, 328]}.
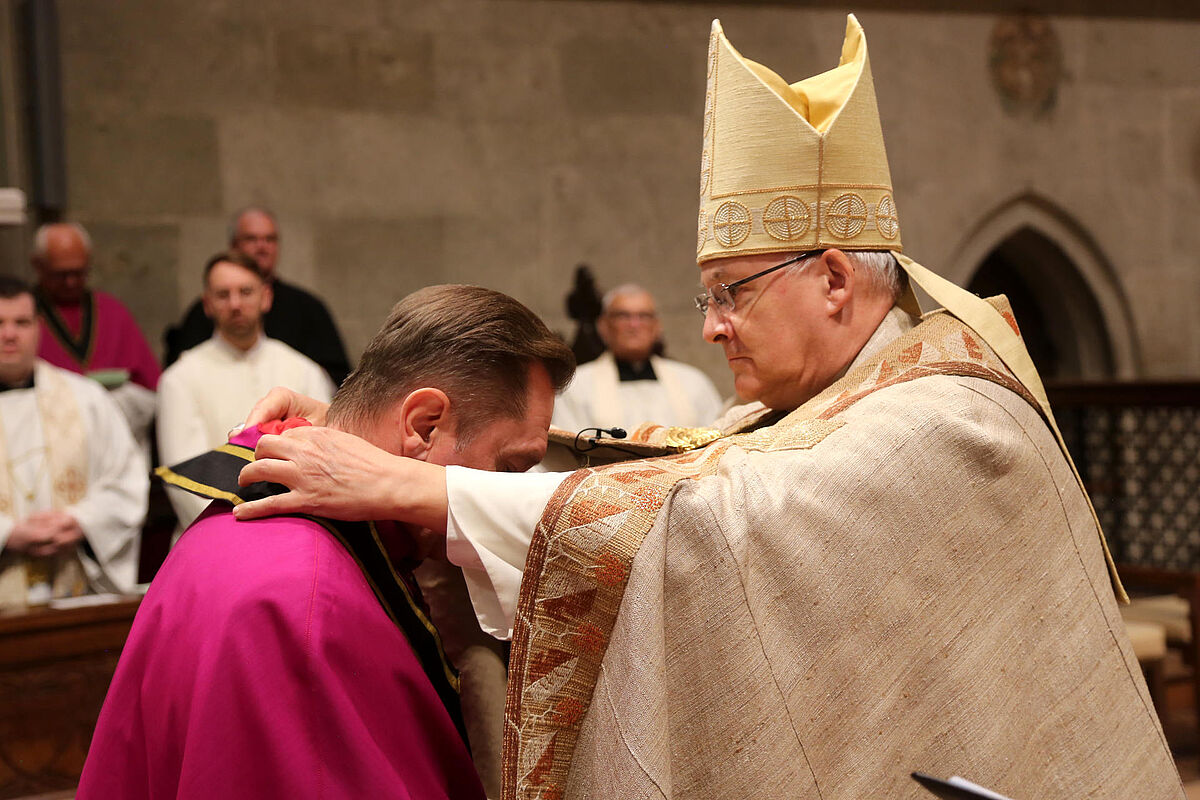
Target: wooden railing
{"type": "Point", "coordinates": [55, 667]}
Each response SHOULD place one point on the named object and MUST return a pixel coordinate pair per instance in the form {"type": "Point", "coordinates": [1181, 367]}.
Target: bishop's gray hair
{"type": "Point", "coordinates": [883, 273]}
{"type": "Point", "coordinates": [877, 268]}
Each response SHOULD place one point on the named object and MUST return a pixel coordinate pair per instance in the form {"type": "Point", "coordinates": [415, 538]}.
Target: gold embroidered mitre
{"type": "Point", "coordinates": [789, 168]}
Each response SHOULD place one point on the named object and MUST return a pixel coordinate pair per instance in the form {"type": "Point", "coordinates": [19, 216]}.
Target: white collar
{"type": "Point", "coordinates": [236, 353]}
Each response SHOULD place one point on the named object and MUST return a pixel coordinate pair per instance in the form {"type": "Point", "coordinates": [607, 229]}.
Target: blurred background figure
{"type": "Point", "coordinates": [583, 306]}
{"type": "Point", "coordinates": [628, 384]}
{"type": "Point", "coordinates": [297, 318]}
{"type": "Point", "coordinates": [213, 385]}
{"type": "Point", "coordinates": [73, 491]}
{"type": "Point", "coordinates": [88, 331]}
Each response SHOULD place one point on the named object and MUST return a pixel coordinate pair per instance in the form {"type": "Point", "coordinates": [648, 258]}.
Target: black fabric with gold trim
{"type": "Point", "coordinates": [214, 475]}
{"type": "Point", "coordinates": [79, 348]}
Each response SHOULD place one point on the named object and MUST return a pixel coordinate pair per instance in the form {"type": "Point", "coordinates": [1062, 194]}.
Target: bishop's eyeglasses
{"type": "Point", "coordinates": [722, 296]}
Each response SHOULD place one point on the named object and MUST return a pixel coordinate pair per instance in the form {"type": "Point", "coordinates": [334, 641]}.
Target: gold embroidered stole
{"type": "Point", "coordinates": [580, 558]}
{"type": "Point", "coordinates": [66, 459]}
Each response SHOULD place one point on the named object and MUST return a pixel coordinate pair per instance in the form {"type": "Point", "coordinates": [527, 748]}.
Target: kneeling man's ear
{"type": "Point", "coordinates": [424, 419]}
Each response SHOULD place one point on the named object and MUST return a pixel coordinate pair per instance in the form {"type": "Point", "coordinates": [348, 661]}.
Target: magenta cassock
{"type": "Point", "coordinates": [261, 665]}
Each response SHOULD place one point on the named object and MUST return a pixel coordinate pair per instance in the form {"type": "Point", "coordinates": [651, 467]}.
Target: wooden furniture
{"type": "Point", "coordinates": [1180, 621]}
{"type": "Point", "coordinates": [1149, 642]}
{"type": "Point", "coordinates": [55, 667]}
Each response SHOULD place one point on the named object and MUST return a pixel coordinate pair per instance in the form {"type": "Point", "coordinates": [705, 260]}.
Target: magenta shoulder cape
{"type": "Point", "coordinates": [262, 663]}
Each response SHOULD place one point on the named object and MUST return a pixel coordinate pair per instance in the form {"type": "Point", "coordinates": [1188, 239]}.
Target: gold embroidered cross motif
{"type": "Point", "coordinates": [71, 485]}
{"type": "Point", "coordinates": [846, 216]}
{"type": "Point", "coordinates": [731, 223]}
{"type": "Point", "coordinates": [786, 218]}
{"type": "Point", "coordinates": [886, 221]}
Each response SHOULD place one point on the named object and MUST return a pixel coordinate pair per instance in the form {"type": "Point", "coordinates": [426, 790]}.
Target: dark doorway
{"type": "Point", "coordinates": [1059, 317]}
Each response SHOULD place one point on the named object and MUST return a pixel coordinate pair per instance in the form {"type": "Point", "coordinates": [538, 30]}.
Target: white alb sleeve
{"type": "Point", "coordinates": [490, 518]}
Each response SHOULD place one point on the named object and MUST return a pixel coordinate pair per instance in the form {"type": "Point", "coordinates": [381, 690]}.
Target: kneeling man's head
{"type": "Point", "coordinates": [457, 375]}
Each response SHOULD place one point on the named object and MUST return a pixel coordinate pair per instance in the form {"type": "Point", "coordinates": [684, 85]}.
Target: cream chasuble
{"type": "Point", "coordinates": [903, 574]}
{"type": "Point", "coordinates": [66, 446]}
{"type": "Point", "coordinates": [900, 575]}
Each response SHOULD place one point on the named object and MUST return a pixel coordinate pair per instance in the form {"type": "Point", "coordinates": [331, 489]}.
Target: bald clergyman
{"type": "Point", "coordinates": [884, 564]}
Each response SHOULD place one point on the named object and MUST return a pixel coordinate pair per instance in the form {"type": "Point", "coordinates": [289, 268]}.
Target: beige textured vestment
{"type": "Point", "coordinates": [903, 574]}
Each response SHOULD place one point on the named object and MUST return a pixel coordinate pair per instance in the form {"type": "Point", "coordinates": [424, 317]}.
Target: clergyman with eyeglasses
{"type": "Point", "coordinates": [628, 384]}
{"type": "Point", "coordinates": [886, 563]}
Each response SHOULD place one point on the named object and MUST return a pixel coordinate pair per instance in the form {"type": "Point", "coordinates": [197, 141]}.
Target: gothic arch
{"type": "Point", "coordinates": [1083, 286]}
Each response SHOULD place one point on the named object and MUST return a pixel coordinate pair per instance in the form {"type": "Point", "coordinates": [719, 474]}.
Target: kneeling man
{"type": "Point", "coordinates": [293, 656]}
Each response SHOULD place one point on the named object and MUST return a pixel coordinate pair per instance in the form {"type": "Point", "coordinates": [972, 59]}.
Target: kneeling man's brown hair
{"type": "Point", "coordinates": [474, 344]}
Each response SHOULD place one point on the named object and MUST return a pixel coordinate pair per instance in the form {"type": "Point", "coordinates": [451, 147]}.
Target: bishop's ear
{"type": "Point", "coordinates": [840, 279]}
{"type": "Point", "coordinates": [424, 422]}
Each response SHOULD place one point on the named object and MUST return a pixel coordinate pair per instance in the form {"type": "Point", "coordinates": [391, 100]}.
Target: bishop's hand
{"type": "Point", "coordinates": [282, 403]}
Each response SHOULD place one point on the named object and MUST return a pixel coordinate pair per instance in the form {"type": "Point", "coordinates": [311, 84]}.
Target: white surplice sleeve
{"type": "Point", "coordinates": [181, 435]}
{"type": "Point", "coordinates": [490, 518]}
{"type": "Point", "coordinates": [6, 526]}
{"type": "Point", "coordinates": [707, 401]}
{"type": "Point", "coordinates": [113, 509]}
{"type": "Point", "coordinates": [138, 404]}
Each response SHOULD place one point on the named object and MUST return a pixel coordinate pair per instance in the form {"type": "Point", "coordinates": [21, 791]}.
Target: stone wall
{"type": "Point", "coordinates": [501, 142]}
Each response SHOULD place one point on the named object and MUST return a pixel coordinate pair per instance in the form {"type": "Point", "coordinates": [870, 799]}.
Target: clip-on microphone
{"type": "Point", "coordinates": [616, 433]}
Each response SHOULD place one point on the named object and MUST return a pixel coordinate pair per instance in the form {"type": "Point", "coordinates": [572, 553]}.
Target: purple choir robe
{"type": "Point", "coordinates": [103, 336]}
{"type": "Point", "coordinates": [261, 665]}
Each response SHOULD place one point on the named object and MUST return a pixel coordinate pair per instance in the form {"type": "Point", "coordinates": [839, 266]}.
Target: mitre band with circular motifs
{"type": "Point", "coordinates": [848, 217]}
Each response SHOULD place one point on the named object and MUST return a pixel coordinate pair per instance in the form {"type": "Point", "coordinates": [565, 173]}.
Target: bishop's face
{"type": "Point", "coordinates": [774, 340]}
{"type": "Point", "coordinates": [18, 338]}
